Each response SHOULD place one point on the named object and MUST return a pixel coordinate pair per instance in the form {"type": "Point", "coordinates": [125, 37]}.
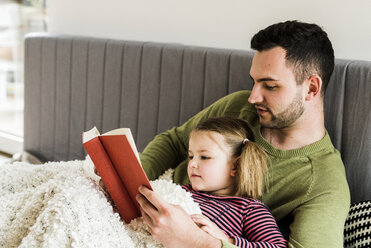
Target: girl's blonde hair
{"type": "Point", "coordinates": [250, 158]}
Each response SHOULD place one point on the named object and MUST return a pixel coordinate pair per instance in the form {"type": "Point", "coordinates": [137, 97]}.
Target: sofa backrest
{"type": "Point", "coordinates": [348, 121]}
{"type": "Point", "coordinates": [75, 83]}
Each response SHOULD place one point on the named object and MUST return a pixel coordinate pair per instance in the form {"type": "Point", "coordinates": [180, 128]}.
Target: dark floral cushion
{"type": "Point", "coordinates": [357, 230]}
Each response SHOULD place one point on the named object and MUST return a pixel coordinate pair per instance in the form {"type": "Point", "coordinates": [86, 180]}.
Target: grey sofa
{"type": "Point", "coordinates": [75, 83]}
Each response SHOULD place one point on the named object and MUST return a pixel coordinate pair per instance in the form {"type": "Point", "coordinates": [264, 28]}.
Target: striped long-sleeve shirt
{"type": "Point", "coordinates": [248, 221]}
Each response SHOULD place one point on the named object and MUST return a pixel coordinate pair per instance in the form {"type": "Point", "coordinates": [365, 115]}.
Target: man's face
{"type": "Point", "coordinates": [277, 97]}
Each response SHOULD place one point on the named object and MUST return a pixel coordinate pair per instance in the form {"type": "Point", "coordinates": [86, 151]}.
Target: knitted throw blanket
{"type": "Point", "coordinates": [58, 204]}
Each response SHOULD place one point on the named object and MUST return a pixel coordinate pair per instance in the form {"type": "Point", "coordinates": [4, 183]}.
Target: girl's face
{"type": "Point", "coordinates": [210, 165]}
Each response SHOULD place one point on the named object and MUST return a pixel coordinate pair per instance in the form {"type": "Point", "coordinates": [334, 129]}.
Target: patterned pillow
{"type": "Point", "coordinates": [357, 230]}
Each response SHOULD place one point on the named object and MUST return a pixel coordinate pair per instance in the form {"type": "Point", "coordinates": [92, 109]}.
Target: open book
{"type": "Point", "coordinates": [116, 158]}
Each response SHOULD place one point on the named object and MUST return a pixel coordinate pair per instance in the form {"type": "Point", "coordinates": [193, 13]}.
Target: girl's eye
{"type": "Point", "coordinates": [204, 157]}
{"type": "Point", "coordinates": [190, 157]}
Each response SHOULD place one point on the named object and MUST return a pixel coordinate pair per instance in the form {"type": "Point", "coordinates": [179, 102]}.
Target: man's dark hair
{"type": "Point", "coordinates": [308, 48]}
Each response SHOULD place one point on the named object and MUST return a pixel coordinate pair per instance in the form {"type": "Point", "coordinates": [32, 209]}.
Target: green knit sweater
{"type": "Point", "coordinates": [307, 185]}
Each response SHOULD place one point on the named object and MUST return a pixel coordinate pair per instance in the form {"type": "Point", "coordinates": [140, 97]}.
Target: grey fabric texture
{"type": "Point", "coordinates": [74, 83]}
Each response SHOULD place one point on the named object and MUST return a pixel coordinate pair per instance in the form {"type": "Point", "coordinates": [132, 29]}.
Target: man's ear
{"type": "Point", "coordinates": [235, 166]}
{"type": "Point", "coordinates": [313, 87]}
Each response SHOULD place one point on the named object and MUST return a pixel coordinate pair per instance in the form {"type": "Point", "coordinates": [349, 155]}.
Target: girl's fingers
{"type": "Point", "coordinates": [200, 220]}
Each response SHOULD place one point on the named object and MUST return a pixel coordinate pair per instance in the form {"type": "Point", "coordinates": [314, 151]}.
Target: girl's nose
{"type": "Point", "coordinates": [193, 163]}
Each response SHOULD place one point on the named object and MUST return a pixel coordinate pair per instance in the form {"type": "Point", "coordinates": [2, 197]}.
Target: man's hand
{"type": "Point", "coordinates": [170, 224]}
{"type": "Point", "coordinates": [210, 227]}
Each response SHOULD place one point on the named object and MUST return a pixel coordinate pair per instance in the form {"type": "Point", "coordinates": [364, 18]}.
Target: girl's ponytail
{"type": "Point", "coordinates": [252, 168]}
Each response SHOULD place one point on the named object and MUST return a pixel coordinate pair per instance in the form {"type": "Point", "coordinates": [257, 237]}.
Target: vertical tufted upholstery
{"type": "Point", "coordinates": [75, 83]}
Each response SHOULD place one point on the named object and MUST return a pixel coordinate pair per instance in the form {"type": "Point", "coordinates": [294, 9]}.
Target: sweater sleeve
{"type": "Point", "coordinates": [226, 244]}
{"type": "Point", "coordinates": [323, 212]}
{"type": "Point", "coordinates": [323, 219]}
{"type": "Point", "coordinates": [260, 229]}
{"type": "Point", "coordinates": [168, 149]}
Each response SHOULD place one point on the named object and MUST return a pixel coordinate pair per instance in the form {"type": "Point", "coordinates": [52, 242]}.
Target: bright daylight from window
{"type": "Point", "coordinates": [17, 18]}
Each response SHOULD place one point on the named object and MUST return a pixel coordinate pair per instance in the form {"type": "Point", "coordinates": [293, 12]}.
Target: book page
{"type": "Point", "coordinates": [89, 135]}
{"type": "Point", "coordinates": [127, 133]}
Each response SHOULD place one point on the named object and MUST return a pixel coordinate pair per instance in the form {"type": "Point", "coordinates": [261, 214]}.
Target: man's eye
{"type": "Point", "coordinates": [269, 87]}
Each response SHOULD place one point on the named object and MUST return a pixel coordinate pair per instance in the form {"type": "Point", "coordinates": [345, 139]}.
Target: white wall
{"type": "Point", "coordinates": [216, 23]}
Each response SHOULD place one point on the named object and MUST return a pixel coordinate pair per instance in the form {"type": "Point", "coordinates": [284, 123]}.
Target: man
{"type": "Point", "coordinates": [307, 185]}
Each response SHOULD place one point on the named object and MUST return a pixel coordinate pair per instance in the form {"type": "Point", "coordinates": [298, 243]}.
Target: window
{"type": "Point", "coordinates": [17, 18]}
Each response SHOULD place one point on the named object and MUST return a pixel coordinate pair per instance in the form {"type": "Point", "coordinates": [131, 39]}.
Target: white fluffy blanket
{"type": "Point", "coordinates": [58, 204]}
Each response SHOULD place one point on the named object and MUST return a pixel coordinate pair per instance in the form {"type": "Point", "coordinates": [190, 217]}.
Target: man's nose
{"type": "Point", "coordinates": [255, 96]}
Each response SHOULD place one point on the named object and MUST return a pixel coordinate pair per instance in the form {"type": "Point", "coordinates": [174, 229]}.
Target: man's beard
{"type": "Point", "coordinates": [288, 116]}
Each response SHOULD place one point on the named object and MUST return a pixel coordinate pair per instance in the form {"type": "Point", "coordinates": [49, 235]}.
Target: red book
{"type": "Point", "coordinates": [115, 156]}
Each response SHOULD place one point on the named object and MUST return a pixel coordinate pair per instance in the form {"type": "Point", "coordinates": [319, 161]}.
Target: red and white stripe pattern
{"type": "Point", "coordinates": [248, 221]}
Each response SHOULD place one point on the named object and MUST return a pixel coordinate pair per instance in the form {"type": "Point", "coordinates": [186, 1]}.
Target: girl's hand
{"type": "Point", "coordinates": [170, 224]}
{"type": "Point", "coordinates": [210, 227]}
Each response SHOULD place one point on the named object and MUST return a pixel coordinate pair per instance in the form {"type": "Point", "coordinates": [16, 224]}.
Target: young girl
{"type": "Point", "coordinates": [227, 172]}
